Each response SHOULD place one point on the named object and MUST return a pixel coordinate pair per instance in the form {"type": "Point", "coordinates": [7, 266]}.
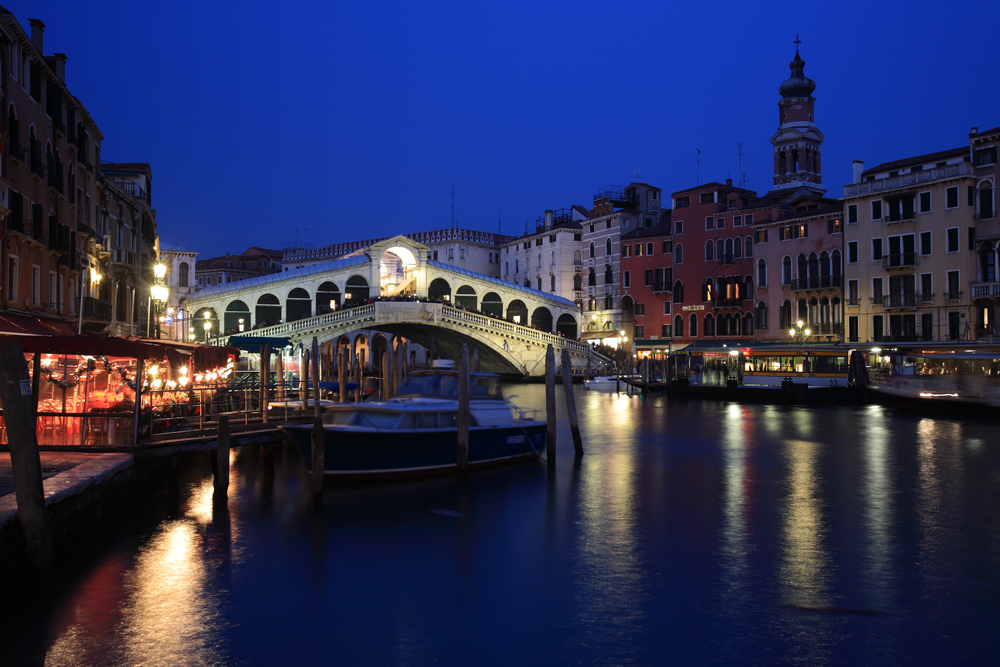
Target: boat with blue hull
{"type": "Point", "coordinates": [415, 432]}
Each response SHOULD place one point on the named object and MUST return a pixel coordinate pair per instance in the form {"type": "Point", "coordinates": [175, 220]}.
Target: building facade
{"type": "Point", "coordinates": [182, 281]}
{"type": "Point", "coordinates": [463, 248]}
{"type": "Point", "coordinates": [617, 211]}
{"type": "Point", "coordinates": [910, 240]}
{"type": "Point", "coordinates": [550, 259]}
{"type": "Point", "coordinates": [251, 263]}
{"type": "Point", "coordinates": [647, 280]}
{"type": "Point", "coordinates": [986, 289]}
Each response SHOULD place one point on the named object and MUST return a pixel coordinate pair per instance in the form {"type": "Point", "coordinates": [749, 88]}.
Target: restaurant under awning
{"type": "Point", "coordinates": [255, 343]}
{"type": "Point", "coordinates": [85, 345]}
{"type": "Point", "coordinates": [206, 357]}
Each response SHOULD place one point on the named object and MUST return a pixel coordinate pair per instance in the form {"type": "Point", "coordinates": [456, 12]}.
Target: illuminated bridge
{"type": "Point", "coordinates": [332, 301]}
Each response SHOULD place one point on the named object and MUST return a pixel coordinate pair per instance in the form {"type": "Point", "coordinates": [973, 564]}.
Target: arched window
{"type": "Point", "coordinates": [785, 316]}
{"type": "Point", "coordinates": [803, 267]}
{"type": "Point", "coordinates": [720, 250]}
{"type": "Point", "coordinates": [813, 270]}
{"type": "Point", "coordinates": [824, 269]}
{"type": "Point", "coordinates": [761, 316]}
{"type": "Point", "coordinates": [709, 325]}
{"type": "Point", "coordinates": [737, 248]}
{"type": "Point", "coordinates": [552, 280]}
{"type": "Point", "coordinates": [803, 310]}
{"type": "Point", "coordinates": [835, 313]}
{"type": "Point", "coordinates": [517, 266]}
{"type": "Point", "coordinates": [577, 282]}
{"type": "Point", "coordinates": [813, 311]}
{"type": "Point", "coordinates": [708, 291]}
{"type": "Point", "coordinates": [506, 268]}
{"type": "Point", "coordinates": [709, 251]}
{"type": "Point", "coordinates": [729, 250]}
{"type": "Point", "coordinates": [182, 274]}
{"type": "Point", "coordinates": [734, 324]}
{"type": "Point", "coordinates": [552, 259]}
{"type": "Point", "coordinates": [678, 326]}
{"type": "Point", "coordinates": [577, 257]}
{"type": "Point", "coordinates": [678, 254]}
{"type": "Point", "coordinates": [748, 324]}
{"type": "Point", "coordinates": [836, 267]}
{"type": "Point", "coordinates": [607, 247]}
{"type": "Point", "coordinates": [539, 283]}
{"type": "Point", "coordinates": [678, 293]}
{"type": "Point", "coordinates": [986, 199]}
{"type": "Point", "coordinates": [693, 324]}
{"type": "Point", "coordinates": [748, 246]}
{"type": "Point", "coordinates": [761, 273]}
{"type": "Point", "coordinates": [592, 278]}
{"type": "Point", "coordinates": [592, 250]}
{"type": "Point", "coordinates": [786, 270]}
{"type": "Point", "coordinates": [609, 276]}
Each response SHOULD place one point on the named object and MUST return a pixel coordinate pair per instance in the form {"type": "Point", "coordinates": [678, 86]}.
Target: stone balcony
{"type": "Point", "coordinates": [908, 180]}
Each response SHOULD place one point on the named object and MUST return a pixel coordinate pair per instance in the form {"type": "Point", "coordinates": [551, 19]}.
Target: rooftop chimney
{"type": "Point", "coordinates": [857, 166]}
{"type": "Point", "coordinates": [729, 181]}
{"type": "Point", "coordinates": [975, 129]}
{"type": "Point", "coordinates": [37, 28]}
{"type": "Point", "coordinates": [60, 60]}
{"type": "Point", "coordinates": [548, 219]}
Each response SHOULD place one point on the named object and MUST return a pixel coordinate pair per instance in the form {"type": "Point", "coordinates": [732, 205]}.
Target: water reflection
{"type": "Point", "coordinates": [877, 490]}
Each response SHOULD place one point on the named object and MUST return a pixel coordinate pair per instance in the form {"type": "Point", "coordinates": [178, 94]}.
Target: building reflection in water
{"type": "Point", "coordinates": [609, 571]}
{"type": "Point", "coordinates": [166, 607]}
{"type": "Point", "coordinates": [877, 490]}
{"type": "Point", "coordinates": [736, 432]}
{"type": "Point", "coordinates": [804, 576]}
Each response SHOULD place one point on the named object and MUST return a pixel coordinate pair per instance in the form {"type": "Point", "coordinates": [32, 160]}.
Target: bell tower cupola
{"type": "Point", "coordinates": [797, 164]}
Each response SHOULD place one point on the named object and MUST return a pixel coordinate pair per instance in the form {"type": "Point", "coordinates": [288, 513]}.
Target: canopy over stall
{"type": "Point", "coordinates": [255, 343]}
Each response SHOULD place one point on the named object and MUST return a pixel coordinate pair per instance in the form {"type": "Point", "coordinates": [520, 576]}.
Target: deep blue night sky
{"type": "Point", "coordinates": [354, 119]}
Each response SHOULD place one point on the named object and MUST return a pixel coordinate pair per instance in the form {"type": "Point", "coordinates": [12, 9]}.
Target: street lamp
{"type": "Point", "coordinates": [801, 333]}
{"type": "Point", "coordinates": [208, 328]}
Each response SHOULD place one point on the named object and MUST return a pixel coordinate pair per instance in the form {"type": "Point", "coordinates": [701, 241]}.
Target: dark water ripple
{"type": "Point", "coordinates": [690, 533]}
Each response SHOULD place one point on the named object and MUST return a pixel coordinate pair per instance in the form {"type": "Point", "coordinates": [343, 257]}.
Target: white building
{"type": "Point", "coordinates": [616, 211]}
{"type": "Point", "coordinates": [550, 259]}
{"type": "Point", "coordinates": [463, 248]}
{"type": "Point", "coordinates": [182, 281]}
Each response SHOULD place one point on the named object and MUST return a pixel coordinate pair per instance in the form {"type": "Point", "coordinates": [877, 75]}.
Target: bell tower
{"type": "Point", "coordinates": [797, 165]}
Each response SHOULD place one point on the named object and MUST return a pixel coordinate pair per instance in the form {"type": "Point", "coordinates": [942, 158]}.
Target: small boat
{"type": "Point", "coordinates": [939, 380]}
{"type": "Point", "coordinates": [609, 382]}
{"type": "Point", "coordinates": [415, 432]}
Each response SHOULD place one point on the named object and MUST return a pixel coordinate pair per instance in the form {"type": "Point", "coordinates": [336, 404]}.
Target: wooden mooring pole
{"type": "Point", "coordinates": [304, 380]}
{"type": "Point", "coordinates": [318, 462]}
{"type": "Point", "coordinates": [19, 419]}
{"type": "Point", "coordinates": [463, 417]}
{"type": "Point", "coordinates": [550, 406]}
{"type": "Point", "coordinates": [574, 426]}
{"type": "Point", "coordinates": [389, 371]}
{"type": "Point", "coordinates": [341, 375]}
{"type": "Point", "coordinates": [222, 476]}
{"type": "Point", "coordinates": [315, 354]}
{"type": "Point", "coordinates": [358, 378]}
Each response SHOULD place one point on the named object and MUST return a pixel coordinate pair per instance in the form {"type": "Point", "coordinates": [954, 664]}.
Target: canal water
{"type": "Point", "coordinates": [692, 532]}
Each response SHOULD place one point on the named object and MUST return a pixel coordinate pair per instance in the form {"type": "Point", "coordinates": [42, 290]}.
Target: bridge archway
{"type": "Point", "coordinates": [356, 291]}
{"type": "Point", "coordinates": [361, 349]}
{"type": "Point", "coordinates": [566, 325]}
{"type": "Point", "coordinates": [397, 271]}
{"type": "Point", "coordinates": [541, 319]}
{"type": "Point", "coordinates": [379, 345]}
{"type": "Point", "coordinates": [235, 311]}
{"type": "Point", "coordinates": [268, 310]}
{"type": "Point", "coordinates": [298, 305]}
{"type": "Point", "coordinates": [492, 305]}
{"type": "Point", "coordinates": [201, 316]}
{"type": "Point", "coordinates": [439, 290]}
{"type": "Point", "coordinates": [517, 312]}
{"type": "Point", "coordinates": [465, 297]}
{"type": "Point", "coordinates": [327, 298]}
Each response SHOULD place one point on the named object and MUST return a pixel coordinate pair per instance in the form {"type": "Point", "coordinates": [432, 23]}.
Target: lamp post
{"type": "Point", "coordinates": [159, 293]}
{"type": "Point", "coordinates": [801, 334]}
{"type": "Point", "coordinates": [208, 327]}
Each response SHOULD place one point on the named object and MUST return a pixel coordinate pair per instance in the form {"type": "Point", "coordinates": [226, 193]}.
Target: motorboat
{"type": "Point", "coordinates": [956, 381]}
{"type": "Point", "coordinates": [609, 382]}
{"type": "Point", "coordinates": [415, 432]}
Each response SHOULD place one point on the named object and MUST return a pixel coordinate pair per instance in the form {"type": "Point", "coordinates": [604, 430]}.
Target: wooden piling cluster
{"type": "Point", "coordinates": [19, 419]}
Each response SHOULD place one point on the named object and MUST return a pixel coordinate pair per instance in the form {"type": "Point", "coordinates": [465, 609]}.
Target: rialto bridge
{"type": "Point", "coordinates": [392, 289]}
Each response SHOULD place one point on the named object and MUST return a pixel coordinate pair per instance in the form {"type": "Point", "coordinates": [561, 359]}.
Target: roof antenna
{"type": "Point", "coordinates": [741, 162]}
{"type": "Point", "coordinates": [637, 173]}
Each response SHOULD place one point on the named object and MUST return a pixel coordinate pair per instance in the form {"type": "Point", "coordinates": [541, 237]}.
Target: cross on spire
{"type": "Point", "coordinates": [797, 41]}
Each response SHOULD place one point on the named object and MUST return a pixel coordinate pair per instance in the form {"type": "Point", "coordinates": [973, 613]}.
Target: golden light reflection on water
{"type": "Point", "coordinates": [877, 488]}
{"type": "Point", "coordinates": [937, 442]}
{"type": "Point", "coordinates": [734, 462]}
{"type": "Point", "coordinates": [611, 573]}
{"type": "Point", "coordinates": [805, 561]}
{"type": "Point", "coordinates": [167, 612]}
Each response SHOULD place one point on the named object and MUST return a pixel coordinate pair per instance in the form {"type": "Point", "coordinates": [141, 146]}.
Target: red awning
{"type": "Point", "coordinates": [206, 357]}
{"type": "Point", "coordinates": [96, 347]}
